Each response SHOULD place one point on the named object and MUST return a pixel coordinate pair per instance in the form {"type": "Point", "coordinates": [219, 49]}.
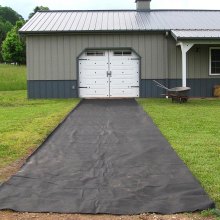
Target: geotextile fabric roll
{"type": "Point", "coordinates": [106, 157]}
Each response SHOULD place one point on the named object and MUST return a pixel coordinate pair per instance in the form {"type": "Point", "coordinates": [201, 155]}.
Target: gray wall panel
{"type": "Point", "coordinates": [147, 57]}
{"type": "Point", "coordinates": [60, 57]}
{"type": "Point", "coordinates": [66, 57]}
{"type": "Point", "coordinates": [35, 56]}
{"type": "Point", "coordinates": [174, 59]}
{"type": "Point", "coordinates": [48, 59]}
{"type": "Point", "coordinates": [198, 62]}
{"type": "Point", "coordinates": [54, 62]}
{"type": "Point", "coordinates": [54, 57]}
{"type": "Point", "coordinates": [28, 57]}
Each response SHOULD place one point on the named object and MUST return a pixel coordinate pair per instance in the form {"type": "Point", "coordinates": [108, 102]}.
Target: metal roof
{"type": "Point", "coordinates": [195, 34]}
{"type": "Point", "coordinates": [122, 20]}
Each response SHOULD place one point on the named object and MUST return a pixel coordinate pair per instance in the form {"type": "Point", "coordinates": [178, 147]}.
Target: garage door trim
{"type": "Point", "coordinates": [105, 49]}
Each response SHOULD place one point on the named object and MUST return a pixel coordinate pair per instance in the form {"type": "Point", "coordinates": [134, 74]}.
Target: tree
{"type": "Point", "coordinates": [13, 47]}
{"type": "Point", "coordinates": [8, 14]}
{"type": "Point", "coordinates": [36, 9]}
{"type": "Point", "coordinates": [8, 18]}
{"type": "Point", "coordinates": [5, 27]}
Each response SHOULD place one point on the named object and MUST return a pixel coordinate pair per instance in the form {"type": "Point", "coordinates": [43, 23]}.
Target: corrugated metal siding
{"type": "Point", "coordinates": [55, 57]}
{"type": "Point", "coordinates": [73, 21]}
{"type": "Point", "coordinates": [199, 87]}
{"type": "Point", "coordinates": [174, 60]}
{"type": "Point", "coordinates": [198, 62]}
{"type": "Point", "coordinates": [52, 89]}
{"type": "Point", "coordinates": [68, 88]}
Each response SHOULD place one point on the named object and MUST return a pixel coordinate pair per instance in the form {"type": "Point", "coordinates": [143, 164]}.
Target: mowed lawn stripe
{"type": "Point", "coordinates": [26, 123]}
{"type": "Point", "coordinates": [193, 130]}
{"type": "Point", "coordinates": [12, 77]}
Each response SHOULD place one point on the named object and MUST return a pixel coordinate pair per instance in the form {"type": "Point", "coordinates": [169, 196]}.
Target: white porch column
{"type": "Point", "coordinates": [185, 47]}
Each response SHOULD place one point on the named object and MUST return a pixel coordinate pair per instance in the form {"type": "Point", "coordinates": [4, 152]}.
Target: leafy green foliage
{"type": "Point", "coordinates": [12, 77]}
{"type": "Point", "coordinates": [5, 27]}
{"type": "Point", "coordinates": [8, 14]}
{"type": "Point", "coordinates": [8, 18]}
{"type": "Point", "coordinates": [13, 47]}
{"type": "Point", "coordinates": [193, 130]}
{"type": "Point", "coordinates": [36, 9]}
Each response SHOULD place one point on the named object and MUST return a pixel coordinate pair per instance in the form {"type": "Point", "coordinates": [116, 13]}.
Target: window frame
{"type": "Point", "coordinates": [93, 53]}
{"type": "Point", "coordinates": [210, 61]}
{"type": "Point", "coordinates": [122, 53]}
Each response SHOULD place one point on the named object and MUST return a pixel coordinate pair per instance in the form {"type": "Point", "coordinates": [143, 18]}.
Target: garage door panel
{"type": "Point", "coordinates": [93, 69]}
{"type": "Point", "coordinates": [88, 67]}
{"type": "Point", "coordinates": [94, 82]}
{"type": "Point", "coordinates": [123, 69]}
{"type": "Point", "coordinates": [98, 74]}
{"type": "Point", "coordinates": [125, 74]}
{"type": "Point", "coordinates": [125, 77]}
{"type": "Point", "coordinates": [112, 75]}
{"type": "Point", "coordinates": [133, 92]}
{"type": "Point", "coordinates": [125, 62]}
{"type": "Point", "coordinates": [93, 66]}
{"type": "Point", "coordinates": [128, 67]}
{"type": "Point", "coordinates": [122, 81]}
{"type": "Point", "coordinates": [93, 93]}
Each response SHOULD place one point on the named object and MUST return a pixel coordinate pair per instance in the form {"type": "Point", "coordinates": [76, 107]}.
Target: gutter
{"type": "Point", "coordinates": [91, 32]}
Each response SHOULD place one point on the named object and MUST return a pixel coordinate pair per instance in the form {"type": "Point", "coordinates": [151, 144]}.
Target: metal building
{"type": "Point", "coordinates": [118, 53]}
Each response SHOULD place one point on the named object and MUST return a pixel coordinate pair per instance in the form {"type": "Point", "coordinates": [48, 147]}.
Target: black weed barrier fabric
{"type": "Point", "coordinates": [106, 157]}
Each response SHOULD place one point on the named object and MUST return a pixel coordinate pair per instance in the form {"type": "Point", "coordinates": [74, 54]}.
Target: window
{"type": "Point", "coordinates": [95, 53]}
{"type": "Point", "coordinates": [214, 61]}
{"type": "Point", "coordinates": [122, 53]}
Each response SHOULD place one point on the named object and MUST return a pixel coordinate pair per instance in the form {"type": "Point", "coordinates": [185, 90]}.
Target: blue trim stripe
{"type": "Point", "coordinates": [69, 89]}
{"type": "Point", "coordinates": [199, 87]}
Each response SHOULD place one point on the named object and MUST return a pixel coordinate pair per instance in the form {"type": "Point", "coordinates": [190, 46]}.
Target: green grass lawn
{"type": "Point", "coordinates": [26, 123]}
{"type": "Point", "coordinates": [193, 129]}
{"type": "Point", "coordinates": [12, 77]}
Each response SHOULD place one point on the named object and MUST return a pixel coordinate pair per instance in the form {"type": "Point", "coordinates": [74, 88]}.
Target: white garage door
{"type": "Point", "coordinates": [109, 74]}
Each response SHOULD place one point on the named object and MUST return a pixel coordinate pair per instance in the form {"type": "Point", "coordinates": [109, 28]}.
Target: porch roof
{"type": "Point", "coordinates": [196, 34]}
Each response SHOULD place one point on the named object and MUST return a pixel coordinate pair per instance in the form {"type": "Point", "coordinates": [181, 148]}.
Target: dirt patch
{"type": "Point", "coordinates": [10, 170]}
{"type": "Point", "coordinates": [48, 216]}
{"type": "Point", "coordinates": [13, 168]}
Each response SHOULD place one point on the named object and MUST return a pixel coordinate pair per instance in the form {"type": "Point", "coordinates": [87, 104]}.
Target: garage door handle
{"type": "Point", "coordinates": [83, 87]}
{"type": "Point", "coordinates": [134, 86]}
{"type": "Point", "coordinates": [109, 73]}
